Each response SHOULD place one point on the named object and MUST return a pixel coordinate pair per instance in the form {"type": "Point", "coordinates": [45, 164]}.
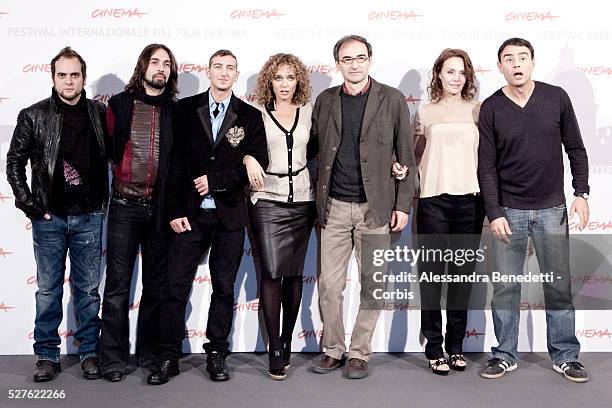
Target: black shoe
{"type": "Point", "coordinates": [286, 349]}
{"type": "Point", "coordinates": [277, 365]}
{"type": "Point", "coordinates": [46, 370]}
{"type": "Point", "coordinates": [114, 376]}
{"type": "Point", "coordinates": [161, 373]}
{"type": "Point", "coordinates": [91, 369]}
{"type": "Point", "coordinates": [216, 367]}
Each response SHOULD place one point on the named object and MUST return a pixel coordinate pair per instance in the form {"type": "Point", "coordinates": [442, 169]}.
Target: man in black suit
{"type": "Point", "coordinates": [207, 208]}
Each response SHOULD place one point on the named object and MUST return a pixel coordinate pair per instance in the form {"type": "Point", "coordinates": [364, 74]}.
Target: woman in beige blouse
{"type": "Point", "coordinates": [282, 211]}
{"type": "Point", "coordinates": [449, 205]}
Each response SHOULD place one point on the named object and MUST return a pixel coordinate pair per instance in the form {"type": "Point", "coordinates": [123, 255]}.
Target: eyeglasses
{"type": "Point", "coordinates": [349, 60]}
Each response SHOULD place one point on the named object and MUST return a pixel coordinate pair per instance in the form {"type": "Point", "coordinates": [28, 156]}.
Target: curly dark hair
{"type": "Point", "coordinates": [436, 91]}
{"type": "Point", "coordinates": [264, 94]}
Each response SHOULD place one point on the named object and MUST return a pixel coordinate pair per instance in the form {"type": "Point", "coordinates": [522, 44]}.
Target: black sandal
{"type": "Point", "coordinates": [455, 362]}
{"type": "Point", "coordinates": [436, 366]}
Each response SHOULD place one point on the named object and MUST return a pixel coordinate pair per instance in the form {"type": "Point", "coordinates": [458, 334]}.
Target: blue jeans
{"type": "Point", "coordinates": [81, 237]}
{"type": "Point", "coordinates": [549, 232]}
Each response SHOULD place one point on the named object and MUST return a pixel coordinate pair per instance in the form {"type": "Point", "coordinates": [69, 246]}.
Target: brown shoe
{"type": "Point", "coordinates": [324, 364]}
{"type": "Point", "coordinates": [356, 369]}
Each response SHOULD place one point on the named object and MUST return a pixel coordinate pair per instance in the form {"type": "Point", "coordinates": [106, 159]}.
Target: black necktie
{"type": "Point", "coordinates": [216, 111]}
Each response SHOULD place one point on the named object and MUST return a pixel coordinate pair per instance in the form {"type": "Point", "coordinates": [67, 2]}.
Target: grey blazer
{"type": "Point", "coordinates": [386, 135]}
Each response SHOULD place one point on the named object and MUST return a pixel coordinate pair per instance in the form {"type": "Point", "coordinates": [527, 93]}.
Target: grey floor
{"type": "Point", "coordinates": [396, 380]}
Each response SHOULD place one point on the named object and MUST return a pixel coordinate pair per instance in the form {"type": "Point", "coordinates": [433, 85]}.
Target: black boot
{"type": "Point", "coordinates": [161, 373]}
{"type": "Point", "coordinates": [91, 369]}
{"type": "Point", "coordinates": [46, 370]}
{"type": "Point", "coordinates": [277, 365]}
{"type": "Point", "coordinates": [216, 366]}
{"type": "Point", "coordinates": [286, 349]}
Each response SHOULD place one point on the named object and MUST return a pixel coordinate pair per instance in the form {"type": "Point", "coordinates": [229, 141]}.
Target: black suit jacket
{"type": "Point", "coordinates": [194, 154]}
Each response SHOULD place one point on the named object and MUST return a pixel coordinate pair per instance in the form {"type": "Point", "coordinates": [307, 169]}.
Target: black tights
{"type": "Point", "coordinates": [272, 294]}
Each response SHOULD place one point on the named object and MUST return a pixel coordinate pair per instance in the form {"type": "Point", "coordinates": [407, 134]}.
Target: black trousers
{"type": "Point", "coordinates": [438, 219]}
{"type": "Point", "coordinates": [186, 251]}
{"type": "Point", "coordinates": [131, 225]}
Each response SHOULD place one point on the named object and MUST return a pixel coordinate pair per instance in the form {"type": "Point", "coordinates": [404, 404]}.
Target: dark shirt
{"type": "Point", "coordinates": [520, 161]}
{"type": "Point", "coordinates": [346, 179]}
{"type": "Point", "coordinates": [72, 192]}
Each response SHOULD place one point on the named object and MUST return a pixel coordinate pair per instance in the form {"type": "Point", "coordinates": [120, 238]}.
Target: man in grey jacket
{"type": "Point", "coordinates": [361, 127]}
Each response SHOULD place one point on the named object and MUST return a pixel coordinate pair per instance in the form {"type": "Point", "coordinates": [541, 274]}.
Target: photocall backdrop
{"type": "Point", "coordinates": [571, 41]}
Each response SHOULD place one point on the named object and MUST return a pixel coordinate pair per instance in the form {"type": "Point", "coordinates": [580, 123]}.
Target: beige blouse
{"type": "Point", "coordinates": [446, 147]}
{"type": "Point", "coordinates": [286, 189]}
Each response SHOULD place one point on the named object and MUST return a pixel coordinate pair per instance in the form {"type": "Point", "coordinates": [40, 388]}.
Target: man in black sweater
{"type": "Point", "coordinates": [522, 129]}
{"type": "Point", "coordinates": [63, 138]}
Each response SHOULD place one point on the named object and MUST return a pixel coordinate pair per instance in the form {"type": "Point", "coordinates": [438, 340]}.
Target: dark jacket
{"type": "Point", "coordinates": [119, 119]}
{"type": "Point", "coordinates": [194, 154]}
{"type": "Point", "coordinates": [386, 135]}
{"type": "Point", "coordinates": [37, 138]}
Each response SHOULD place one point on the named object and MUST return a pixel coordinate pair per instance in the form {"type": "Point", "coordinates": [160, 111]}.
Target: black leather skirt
{"type": "Point", "coordinates": [280, 233]}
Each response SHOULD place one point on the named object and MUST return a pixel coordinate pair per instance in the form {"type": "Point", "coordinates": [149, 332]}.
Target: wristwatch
{"type": "Point", "coordinates": [583, 195]}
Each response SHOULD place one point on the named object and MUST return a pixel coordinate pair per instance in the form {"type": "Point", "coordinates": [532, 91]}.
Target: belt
{"type": "Point", "coordinates": [132, 199]}
{"type": "Point", "coordinates": [281, 175]}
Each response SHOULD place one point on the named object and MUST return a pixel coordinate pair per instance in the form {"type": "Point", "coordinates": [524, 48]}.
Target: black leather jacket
{"type": "Point", "coordinates": [36, 138]}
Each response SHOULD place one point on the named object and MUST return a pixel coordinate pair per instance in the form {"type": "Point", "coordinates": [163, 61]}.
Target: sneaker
{"type": "Point", "coordinates": [573, 371]}
{"type": "Point", "coordinates": [496, 368]}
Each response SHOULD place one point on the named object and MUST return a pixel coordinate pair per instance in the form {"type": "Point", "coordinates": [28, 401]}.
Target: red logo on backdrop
{"type": "Point", "coordinates": [202, 279]}
{"type": "Point", "coordinates": [191, 333]}
{"type": "Point", "coordinates": [596, 70]}
{"type": "Point", "coordinates": [322, 68]}
{"type": "Point", "coordinates": [33, 68]}
{"type": "Point", "coordinates": [529, 16]}
{"type": "Point", "coordinates": [64, 334]}
{"type": "Point", "coordinates": [255, 14]}
{"type": "Point", "coordinates": [248, 98]}
{"type": "Point", "coordinates": [2, 196]}
{"type": "Point", "coordinates": [411, 99]}
{"type": "Point", "coordinates": [473, 333]}
{"type": "Point", "coordinates": [393, 15]}
{"type": "Point", "coordinates": [249, 306]}
{"type": "Point", "coordinates": [391, 306]}
{"type": "Point", "coordinates": [310, 280]}
{"type": "Point", "coordinates": [594, 333]}
{"type": "Point", "coordinates": [481, 70]}
{"type": "Point", "coordinates": [134, 306]}
{"type": "Point", "coordinates": [188, 68]}
{"type": "Point", "coordinates": [591, 225]}
{"type": "Point", "coordinates": [592, 279]}
{"type": "Point", "coordinates": [102, 97]}
{"type": "Point", "coordinates": [4, 253]}
{"type": "Point", "coordinates": [6, 307]}
{"type": "Point", "coordinates": [117, 13]}
{"type": "Point", "coordinates": [2, 99]}
{"type": "Point", "coordinates": [306, 334]}
{"type": "Point", "coordinates": [531, 306]}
